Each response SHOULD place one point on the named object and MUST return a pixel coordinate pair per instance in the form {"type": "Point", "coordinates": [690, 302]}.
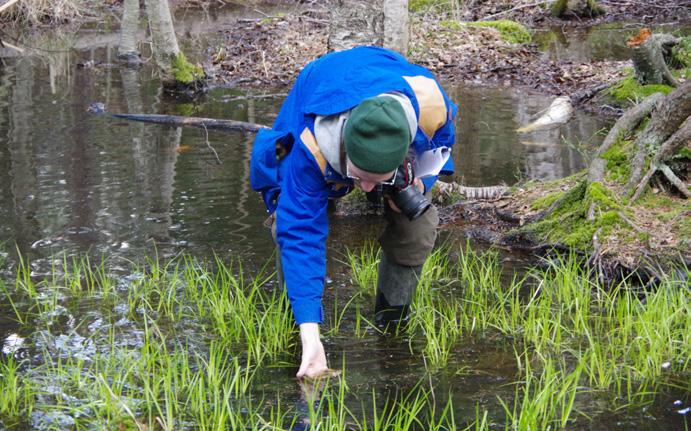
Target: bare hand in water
{"type": "Point", "coordinates": [313, 356]}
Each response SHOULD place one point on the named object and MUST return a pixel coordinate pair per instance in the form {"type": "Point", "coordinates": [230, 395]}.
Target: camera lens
{"type": "Point", "coordinates": [411, 202]}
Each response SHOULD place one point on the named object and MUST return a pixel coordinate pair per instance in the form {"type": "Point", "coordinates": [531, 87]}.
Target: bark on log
{"type": "Point", "coordinates": [674, 179]}
{"type": "Point", "coordinates": [206, 123]}
{"type": "Point", "coordinates": [649, 60]}
{"type": "Point", "coordinates": [665, 120]}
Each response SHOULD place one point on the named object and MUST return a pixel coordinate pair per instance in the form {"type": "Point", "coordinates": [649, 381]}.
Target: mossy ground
{"type": "Point", "coordinates": [630, 90]}
{"type": "Point", "coordinates": [657, 225]}
{"type": "Point", "coordinates": [510, 31]}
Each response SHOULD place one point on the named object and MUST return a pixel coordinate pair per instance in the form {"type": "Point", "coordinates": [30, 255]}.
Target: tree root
{"type": "Point", "coordinates": [680, 138]}
{"type": "Point", "coordinates": [627, 122]}
{"type": "Point", "coordinates": [665, 120]}
{"type": "Point", "coordinates": [679, 184]}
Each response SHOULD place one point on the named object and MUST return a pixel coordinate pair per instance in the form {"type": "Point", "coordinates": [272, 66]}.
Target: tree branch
{"type": "Point", "coordinates": [504, 12]}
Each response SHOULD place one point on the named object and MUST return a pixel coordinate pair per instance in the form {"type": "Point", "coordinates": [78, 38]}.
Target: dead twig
{"type": "Point", "coordinates": [255, 97]}
{"type": "Point", "coordinates": [524, 6]}
{"type": "Point", "coordinates": [16, 48]}
{"type": "Point", "coordinates": [630, 222]}
{"type": "Point", "coordinates": [7, 5]}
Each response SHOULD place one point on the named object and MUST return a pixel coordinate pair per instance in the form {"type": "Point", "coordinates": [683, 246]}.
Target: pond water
{"type": "Point", "coordinates": [78, 183]}
{"type": "Point", "coordinates": [595, 43]}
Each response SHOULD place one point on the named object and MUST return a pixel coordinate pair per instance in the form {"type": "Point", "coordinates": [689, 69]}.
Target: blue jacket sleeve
{"type": "Point", "coordinates": [301, 231]}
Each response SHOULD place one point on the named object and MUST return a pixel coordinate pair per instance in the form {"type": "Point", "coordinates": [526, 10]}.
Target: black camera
{"type": "Point", "coordinates": [404, 194]}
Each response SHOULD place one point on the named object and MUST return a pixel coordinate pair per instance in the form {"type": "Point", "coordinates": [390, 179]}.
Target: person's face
{"type": "Point", "coordinates": [367, 181]}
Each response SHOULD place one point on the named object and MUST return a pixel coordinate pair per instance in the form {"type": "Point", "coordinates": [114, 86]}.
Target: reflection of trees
{"type": "Point", "coordinates": [22, 175]}
{"type": "Point", "coordinates": [490, 152]}
{"type": "Point", "coordinates": [154, 155]}
{"type": "Point", "coordinates": [583, 44]}
{"type": "Point", "coordinates": [486, 153]}
{"type": "Point", "coordinates": [244, 189]}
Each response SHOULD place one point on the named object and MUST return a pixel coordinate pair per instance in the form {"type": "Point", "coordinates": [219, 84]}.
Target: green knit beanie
{"type": "Point", "coordinates": [377, 135]}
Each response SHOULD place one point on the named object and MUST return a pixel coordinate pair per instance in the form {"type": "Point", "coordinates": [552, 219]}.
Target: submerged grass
{"type": "Point", "coordinates": [199, 337]}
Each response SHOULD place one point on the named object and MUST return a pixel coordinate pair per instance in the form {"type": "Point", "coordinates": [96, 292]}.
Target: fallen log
{"type": "Point", "coordinates": [177, 120]}
{"type": "Point", "coordinates": [205, 123]}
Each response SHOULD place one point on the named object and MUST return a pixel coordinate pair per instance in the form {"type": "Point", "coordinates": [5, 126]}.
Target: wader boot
{"type": "Point", "coordinates": [395, 288]}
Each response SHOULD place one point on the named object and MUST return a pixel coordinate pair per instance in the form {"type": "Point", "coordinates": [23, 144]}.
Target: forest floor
{"type": "Point", "coordinates": [270, 51]}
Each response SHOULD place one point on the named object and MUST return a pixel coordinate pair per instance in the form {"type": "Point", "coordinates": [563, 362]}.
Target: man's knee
{"type": "Point", "coordinates": [410, 242]}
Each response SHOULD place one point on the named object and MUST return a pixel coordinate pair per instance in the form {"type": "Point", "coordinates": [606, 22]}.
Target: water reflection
{"type": "Point", "coordinates": [595, 43]}
{"type": "Point", "coordinates": [490, 152]}
{"type": "Point", "coordinates": [80, 182]}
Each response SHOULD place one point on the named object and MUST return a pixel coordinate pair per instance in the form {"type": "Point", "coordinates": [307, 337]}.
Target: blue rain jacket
{"type": "Point", "coordinates": [286, 160]}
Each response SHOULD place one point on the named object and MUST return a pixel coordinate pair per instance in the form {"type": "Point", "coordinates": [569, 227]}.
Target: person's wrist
{"type": "Point", "coordinates": [309, 332]}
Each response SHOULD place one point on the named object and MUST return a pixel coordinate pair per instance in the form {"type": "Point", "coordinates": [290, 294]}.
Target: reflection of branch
{"type": "Point", "coordinates": [208, 144]}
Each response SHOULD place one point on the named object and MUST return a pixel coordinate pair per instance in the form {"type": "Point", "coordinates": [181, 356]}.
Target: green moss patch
{"type": "Point", "coordinates": [618, 163]}
{"type": "Point", "coordinates": [185, 72]}
{"type": "Point", "coordinates": [510, 31]}
{"type": "Point", "coordinates": [630, 89]}
{"type": "Point", "coordinates": [568, 223]}
{"type": "Point", "coordinates": [545, 201]}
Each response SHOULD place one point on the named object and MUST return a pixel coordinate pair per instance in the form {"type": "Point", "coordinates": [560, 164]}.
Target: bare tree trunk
{"type": "Point", "coordinates": [356, 22]}
{"type": "Point", "coordinates": [127, 48]}
{"type": "Point", "coordinates": [576, 8]}
{"type": "Point", "coordinates": [396, 25]}
{"type": "Point", "coordinates": [164, 44]}
{"type": "Point", "coordinates": [648, 53]}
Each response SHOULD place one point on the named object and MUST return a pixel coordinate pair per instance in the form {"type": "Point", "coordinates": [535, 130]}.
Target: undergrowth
{"type": "Point", "coordinates": [204, 335]}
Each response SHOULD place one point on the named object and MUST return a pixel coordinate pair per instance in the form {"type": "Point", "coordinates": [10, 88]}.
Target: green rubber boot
{"type": "Point", "coordinates": [395, 289]}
